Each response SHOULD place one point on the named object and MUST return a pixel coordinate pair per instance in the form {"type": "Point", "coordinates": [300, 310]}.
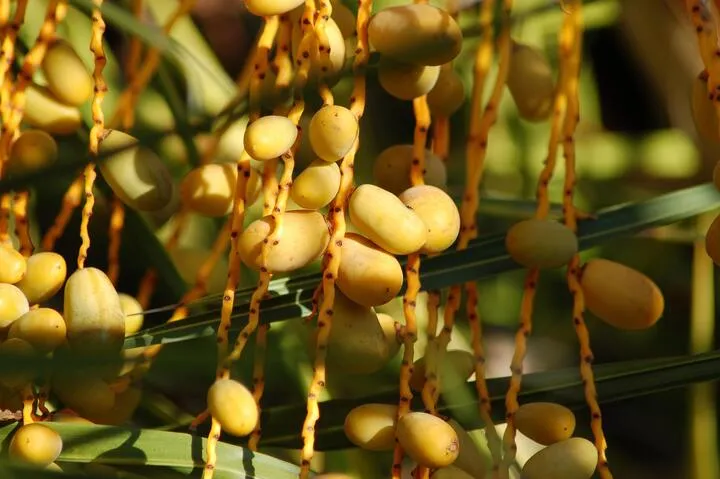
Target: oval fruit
{"type": "Point", "coordinates": [125, 405]}
{"type": "Point", "coordinates": [457, 367]}
{"type": "Point", "coordinates": [316, 186]}
{"type": "Point", "coordinates": [530, 82]}
{"type": "Point", "coordinates": [574, 458]}
{"type": "Point", "coordinates": [233, 406]}
{"type": "Point", "coordinates": [372, 426]}
{"type": "Point", "coordinates": [54, 467]}
{"type": "Point", "coordinates": [367, 274]}
{"type": "Point", "coordinates": [94, 317]}
{"type": "Point", "coordinates": [448, 94]}
{"type": "Point", "coordinates": [13, 304]}
{"type": "Point", "coordinates": [386, 221]}
{"type": "Point", "coordinates": [333, 130]}
{"type": "Point", "coordinates": [621, 296]}
{"type": "Point", "coordinates": [420, 34]}
{"type": "Point", "coordinates": [544, 422]}
{"type": "Point", "coordinates": [540, 243]}
{"type": "Point", "coordinates": [391, 170]}
{"type": "Point", "coordinates": [470, 460]}
{"type": "Point", "coordinates": [356, 344]}
{"type": "Point", "coordinates": [344, 18]}
{"type": "Point", "coordinates": [336, 44]}
{"type": "Point", "coordinates": [266, 8]}
{"type": "Point", "coordinates": [12, 264]}
{"type": "Point", "coordinates": [44, 277]}
{"type": "Point", "coordinates": [406, 81]}
{"type": "Point", "coordinates": [86, 395]}
{"type": "Point", "coordinates": [33, 150]}
{"type": "Point", "coordinates": [133, 311]}
{"type": "Point", "coordinates": [188, 262]}
{"type": "Point", "coordinates": [304, 238]}
{"type": "Point", "coordinates": [136, 174]}
{"type": "Point", "coordinates": [68, 416]}
{"type": "Point", "coordinates": [67, 77]}
{"type": "Point", "coordinates": [451, 472]}
{"type": "Point", "coordinates": [43, 328]}
{"type": "Point", "coordinates": [269, 137]}
{"type": "Point", "coordinates": [44, 111]}
{"type": "Point", "coordinates": [35, 444]}
{"type": "Point", "coordinates": [427, 439]}
{"type": "Point", "coordinates": [210, 189]}
{"type": "Point", "coordinates": [390, 328]}
{"type": "Point", "coordinates": [703, 109]}
{"type": "Point", "coordinates": [439, 214]}
{"type": "Point", "coordinates": [712, 240]}
{"type": "Point", "coordinates": [14, 350]}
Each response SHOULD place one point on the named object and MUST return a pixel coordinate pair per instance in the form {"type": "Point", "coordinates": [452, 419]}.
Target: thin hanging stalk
{"type": "Point", "coordinates": [533, 274]}
{"type": "Point", "coordinates": [282, 65]}
{"type": "Point", "coordinates": [7, 57]}
{"type": "Point", "coordinates": [480, 123]}
{"type": "Point", "coordinates": [408, 334]}
{"type": "Point", "coordinates": [98, 129]}
{"type": "Point", "coordinates": [332, 257]}
{"type": "Point", "coordinates": [21, 201]}
{"type": "Point", "coordinates": [265, 43]}
{"type": "Point", "coordinates": [117, 222]}
{"type": "Point", "coordinates": [572, 117]}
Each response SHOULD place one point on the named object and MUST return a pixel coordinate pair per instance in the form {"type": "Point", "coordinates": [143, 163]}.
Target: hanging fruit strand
{"type": "Point", "coordinates": [489, 118]}
{"type": "Point", "coordinates": [7, 55]}
{"type": "Point", "coordinates": [480, 124]}
{"type": "Point", "coordinates": [430, 395]}
{"type": "Point", "coordinates": [533, 274]}
{"type": "Point", "coordinates": [22, 225]}
{"type": "Point", "coordinates": [11, 126]}
{"type": "Point", "coordinates": [408, 334]}
{"type": "Point", "coordinates": [265, 42]}
{"type": "Point", "coordinates": [264, 46]}
{"type": "Point", "coordinates": [282, 64]}
{"type": "Point", "coordinates": [238, 215]}
{"type": "Point", "coordinates": [117, 222]}
{"type": "Point", "coordinates": [71, 200]}
{"type": "Point", "coordinates": [98, 129]}
{"type": "Point", "coordinates": [572, 118]}
{"type": "Point", "coordinates": [332, 257]}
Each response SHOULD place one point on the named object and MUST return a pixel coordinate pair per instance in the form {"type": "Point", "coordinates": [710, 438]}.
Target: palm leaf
{"type": "Point", "coordinates": [118, 446]}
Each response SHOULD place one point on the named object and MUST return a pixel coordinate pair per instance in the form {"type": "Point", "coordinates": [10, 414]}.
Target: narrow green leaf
{"type": "Point", "coordinates": [118, 446]}
{"type": "Point", "coordinates": [485, 257]}
{"type": "Point", "coordinates": [614, 381]}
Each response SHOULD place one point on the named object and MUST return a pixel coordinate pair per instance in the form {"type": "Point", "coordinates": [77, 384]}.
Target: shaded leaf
{"type": "Point", "coordinates": [117, 446]}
